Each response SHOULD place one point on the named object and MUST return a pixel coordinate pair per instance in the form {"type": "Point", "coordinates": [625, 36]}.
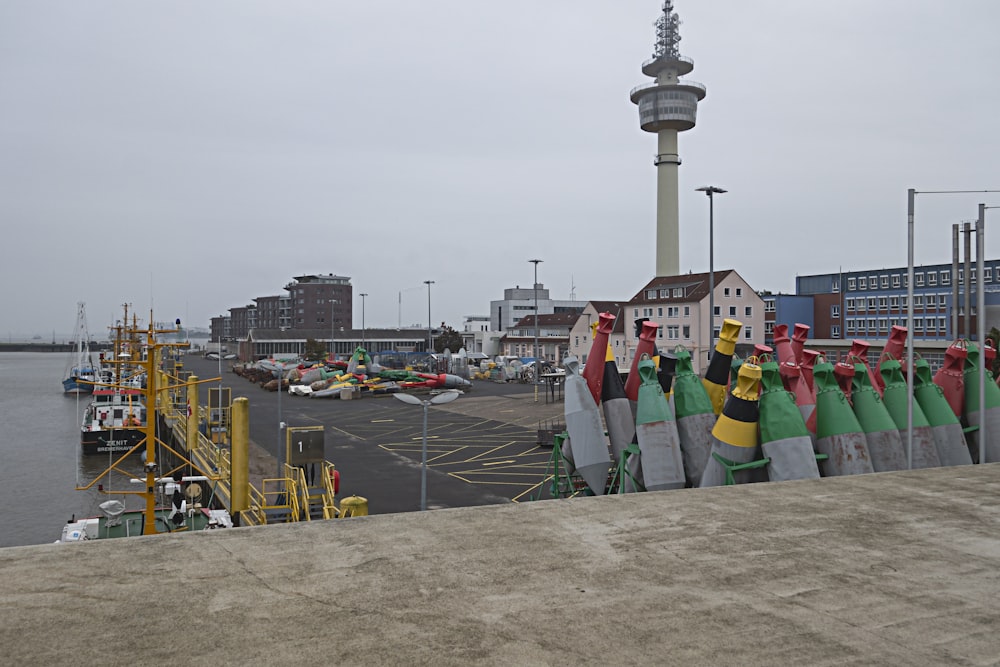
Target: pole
{"type": "Point", "coordinates": [333, 330]}
{"type": "Point", "coordinates": [711, 271]}
{"type": "Point", "coordinates": [910, 197]}
{"type": "Point", "coordinates": [538, 361]}
{"type": "Point", "coordinates": [711, 191]}
{"type": "Point", "coordinates": [910, 200]}
{"type": "Point", "coordinates": [430, 340]}
{"type": "Point", "coordinates": [281, 424]}
{"type": "Point", "coordinates": [981, 329]}
{"type": "Point", "coordinates": [423, 462]}
{"type": "Point", "coordinates": [363, 340]}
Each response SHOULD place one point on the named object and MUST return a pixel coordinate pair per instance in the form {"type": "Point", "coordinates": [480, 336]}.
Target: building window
{"type": "Point", "coordinates": [678, 292]}
{"type": "Point", "coordinates": [882, 302]}
{"type": "Point", "coordinates": [748, 311]}
{"type": "Point", "coordinates": [651, 294]}
{"type": "Point", "coordinates": [918, 279]}
{"type": "Point", "coordinates": [659, 312]}
{"type": "Point", "coordinates": [942, 324]}
{"type": "Point", "coordinates": [895, 280]}
{"type": "Point", "coordinates": [894, 302]}
{"type": "Point", "coordinates": [872, 282]}
{"type": "Point", "coordinates": [861, 304]}
{"type": "Point", "coordinates": [883, 325]}
{"type": "Point", "coordinates": [871, 324]}
{"type": "Point", "coordinates": [835, 311]}
{"type": "Point", "coordinates": [672, 311]}
{"type": "Point", "coordinates": [987, 274]}
{"type": "Point", "coordinates": [945, 278]}
{"type": "Point", "coordinates": [659, 332]}
{"type": "Point", "coordinates": [732, 311]}
{"type": "Point", "coordinates": [849, 305]}
{"type": "Point", "coordinates": [918, 301]}
{"type": "Point", "coordinates": [739, 292]}
{"type": "Point", "coordinates": [918, 324]}
{"type": "Point", "coordinates": [850, 326]}
{"type": "Point", "coordinates": [673, 332]}
{"type": "Point", "coordinates": [931, 300]}
{"type": "Point", "coordinates": [687, 331]}
{"type": "Point", "coordinates": [717, 311]}
{"type": "Point", "coordinates": [768, 328]}
{"type": "Point", "coordinates": [635, 312]}
{"type": "Point", "coordinates": [851, 284]}
{"type": "Point", "coordinates": [835, 332]}
{"type": "Point", "coordinates": [664, 293]}
{"type": "Point", "coordinates": [884, 282]}
{"type": "Point", "coordinates": [725, 291]}
{"type": "Point", "coordinates": [932, 278]}
{"type": "Point", "coordinates": [871, 303]}
{"type": "Point", "coordinates": [748, 333]}
{"type": "Point", "coordinates": [768, 305]}
{"type": "Point", "coordinates": [687, 311]}
{"type": "Point", "coordinates": [835, 285]}
{"type": "Point", "coordinates": [972, 274]}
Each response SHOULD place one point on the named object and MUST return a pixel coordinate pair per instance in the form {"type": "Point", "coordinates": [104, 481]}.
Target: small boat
{"type": "Point", "coordinates": [82, 372]}
{"type": "Point", "coordinates": [123, 418]}
{"type": "Point", "coordinates": [182, 512]}
{"type": "Point", "coordinates": [114, 422]}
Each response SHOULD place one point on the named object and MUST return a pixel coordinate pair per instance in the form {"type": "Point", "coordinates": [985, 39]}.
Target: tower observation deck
{"type": "Point", "coordinates": [667, 106]}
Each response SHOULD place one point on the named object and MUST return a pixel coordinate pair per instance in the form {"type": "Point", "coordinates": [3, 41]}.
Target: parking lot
{"type": "Point", "coordinates": [481, 448]}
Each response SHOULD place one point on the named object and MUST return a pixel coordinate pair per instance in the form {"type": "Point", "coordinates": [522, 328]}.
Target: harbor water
{"type": "Point", "coordinates": [40, 449]}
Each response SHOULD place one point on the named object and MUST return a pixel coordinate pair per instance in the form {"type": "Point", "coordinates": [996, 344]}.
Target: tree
{"type": "Point", "coordinates": [448, 338]}
{"type": "Point", "coordinates": [315, 349]}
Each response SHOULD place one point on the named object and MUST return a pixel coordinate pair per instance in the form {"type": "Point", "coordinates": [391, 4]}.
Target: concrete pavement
{"type": "Point", "coordinates": [879, 569]}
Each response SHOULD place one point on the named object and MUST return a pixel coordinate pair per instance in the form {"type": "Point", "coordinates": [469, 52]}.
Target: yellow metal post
{"type": "Point", "coordinates": [240, 473]}
{"type": "Point", "coordinates": [191, 441]}
{"type": "Point", "coordinates": [149, 525]}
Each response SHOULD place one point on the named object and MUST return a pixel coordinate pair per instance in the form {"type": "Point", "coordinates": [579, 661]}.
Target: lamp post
{"type": "Point", "coordinates": [981, 325]}
{"type": "Point", "coordinates": [280, 373]}
{"type": "Point", "coordinates": [363, 342]}
{"type": "Point", "coordinates": [538, 366]}
{"type": "Point", "coordinates": [911, 196]}
{"type": "Point", "coordinates": [430, 340]}
{"type": "Point", "coordinates": [711, 191]}
{"type": "Point", "coordinates": [333, 329]}
{"type": "Point", "coordinates": [438, 399]}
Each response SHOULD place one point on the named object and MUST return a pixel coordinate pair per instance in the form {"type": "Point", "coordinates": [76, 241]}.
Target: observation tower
{"type": "Point", "coordinates": [667, 106]}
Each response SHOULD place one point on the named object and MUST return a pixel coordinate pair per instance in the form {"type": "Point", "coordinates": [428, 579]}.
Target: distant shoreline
{"type": "Point", "coordinates": [36, 346]}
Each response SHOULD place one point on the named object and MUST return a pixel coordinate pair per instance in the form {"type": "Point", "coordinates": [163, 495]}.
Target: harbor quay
{"type": "Point", "coordinates": [898, 568]}
{"type": "Point", "coordinates": [483, 448]}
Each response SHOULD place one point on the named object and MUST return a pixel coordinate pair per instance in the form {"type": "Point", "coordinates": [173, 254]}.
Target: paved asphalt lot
{"type": "Point", "coordinates": [482, 448]}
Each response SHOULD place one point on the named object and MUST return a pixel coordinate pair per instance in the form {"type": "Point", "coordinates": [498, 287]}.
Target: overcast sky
{"type": "Point", "coordinates": [190, 156]}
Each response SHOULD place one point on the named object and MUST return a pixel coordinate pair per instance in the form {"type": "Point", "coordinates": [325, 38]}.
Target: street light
{"type": "Point", "coordinates": [430, 341]}
{"type": "Point", "coordinates": [363, 295]}
{"type": "Point", "coordinates": [981, 325]}
{"type": "Point", "coordinates": [711, 191]}
{"type": "Point", "coordinates": [333, 329]}
{"type": "Point", "coordinates": [438, 399]}
{"type": "Point", "coordinates": [911, 196]}
{"type": "Point", "coordinates": [279, 371]}
{"type": "Point", "coordinates": [538, 367]}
